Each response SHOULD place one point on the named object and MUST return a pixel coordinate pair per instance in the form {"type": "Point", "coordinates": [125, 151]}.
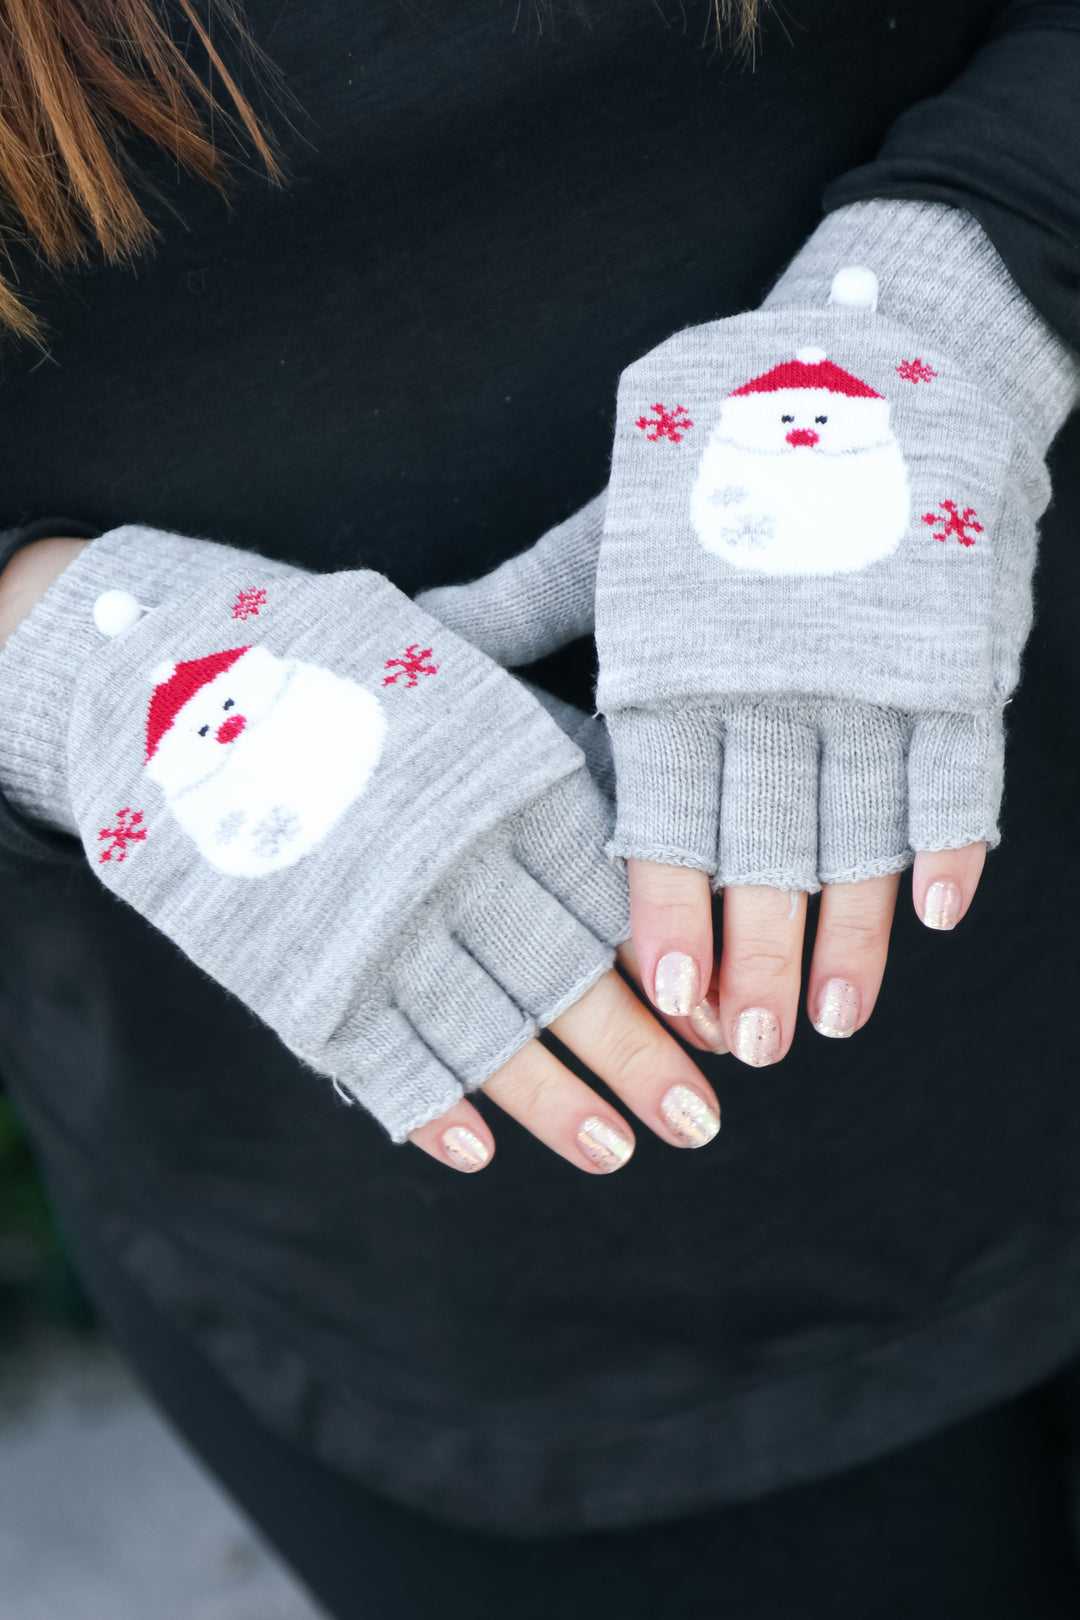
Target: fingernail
{"type": "Point", "coordinates": [675, 986]}
{"type": "Point", "coordinates": [838, 1009]}
{"type": "Point", "coordinates": [464, 1149]}
{"type": "Point", "coordinates": [689, 1115]}
{"type": "Point", "coordinates": [756, 1037]}
{"type": "Point", "coordinates": [603, 1144]}
{"type": "Point", "coordinates": [941, 908]}
{"type": "Point", "coordinates": [707, 1025]}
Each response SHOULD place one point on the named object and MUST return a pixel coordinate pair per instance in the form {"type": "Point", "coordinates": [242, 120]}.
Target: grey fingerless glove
{"type": "Point", "coordinates": [814, 584]}
{"type": "Point", "coordinates": [814, 580]}
{"type": "Point", "coordinates": [345, 814]}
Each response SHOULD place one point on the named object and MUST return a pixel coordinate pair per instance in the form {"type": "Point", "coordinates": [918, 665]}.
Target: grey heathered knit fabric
{"type": "Point", "coordinates": [814, 582]}
{"type": "Point", "coordinates": [341, 811]}
{"type": "Point", "coordinates": [535, 603]}
{"type": "Point", "coordinates": [41, 662]}
{"type": "Point", "coordinates": [588, 731]}
{"type": "Point", "coordinates": [806, 644]}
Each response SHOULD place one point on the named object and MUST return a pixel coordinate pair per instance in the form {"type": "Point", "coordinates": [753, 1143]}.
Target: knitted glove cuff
{"type": "Point", "coordinates": [42, 660]}
{"type": "Point", "coordinates": [939, 273]}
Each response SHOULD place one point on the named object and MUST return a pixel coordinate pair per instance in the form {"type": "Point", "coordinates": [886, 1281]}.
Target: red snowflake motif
{"type": "Point", "coordinates": [248, 603]}
{"type": "Point", "coordinates": [128, 830]}
{"type": "Point", "coordinates": [412, 665]}
{"type": "Point", "coordinates": [962, 524]}
{"type": "Point", "coordinates": [914, 371]}
{"type": "Point", "coordinates": [665, 424]}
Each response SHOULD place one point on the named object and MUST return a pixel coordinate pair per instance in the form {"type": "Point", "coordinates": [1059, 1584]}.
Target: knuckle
{"type": "Point", "coordinates": [613, 1023]}
{"type": "Point", "coordinates": [520, 1086]}
{"type": "Point", "coordinates": [627, 1050]}
{"type": "Point", "coordinates": [860, 936]}
{"type": "Point", "coordinates": [762, 959]}
{"type": "Point", "coordinates": [682, 911]}
{"type": "Point", "coordinates": [669, 888]}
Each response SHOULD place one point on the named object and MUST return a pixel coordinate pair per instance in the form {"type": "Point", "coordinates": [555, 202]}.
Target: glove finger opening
{"type": "Point", "coordinates": [561, 839]}
{"type": "Point", "coordinates": [667, 766]}
{"type": "Point", "coordinates": [863, 798]}
{"type": "Point", "coordinates": [380, 1060]}
{"type": "Point", "coordinates": [540, 954]}
{"type": "Point", "coordinates": [956, 768]}
{"type": "Point", "coordinates": [456, 1007]}
{"type": "Point", "coordinates": [768, 810]}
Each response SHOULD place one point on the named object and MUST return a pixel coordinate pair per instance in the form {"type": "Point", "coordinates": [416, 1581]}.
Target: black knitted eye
{"type": "Point", "coordinates": [230, 703]}
{"type": "Point", "coordinates": [203, 730]}
{"type": "Point", "coordinates": [821, 418]}
{"type": "Point", "coordinates": [787, 419]}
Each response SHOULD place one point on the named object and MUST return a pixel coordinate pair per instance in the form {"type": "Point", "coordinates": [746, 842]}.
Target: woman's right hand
{"type": "Point", "coordinates": [350, 819]}
{"type": "Point", "coordinates": [617, 1037]}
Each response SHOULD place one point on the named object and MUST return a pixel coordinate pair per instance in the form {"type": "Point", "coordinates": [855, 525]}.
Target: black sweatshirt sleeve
{"type": "Point", "coordinates": [1003, 142]}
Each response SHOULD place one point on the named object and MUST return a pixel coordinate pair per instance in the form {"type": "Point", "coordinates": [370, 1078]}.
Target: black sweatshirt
{"type": "Point", "coordinates": [407, 359]}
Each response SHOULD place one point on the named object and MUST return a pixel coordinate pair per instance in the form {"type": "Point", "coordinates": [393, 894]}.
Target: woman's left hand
{"type": "Point", "coordinates": [757, 988]}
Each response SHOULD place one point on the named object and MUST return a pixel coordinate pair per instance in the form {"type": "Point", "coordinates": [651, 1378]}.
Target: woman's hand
{"type": "Point", "coordinates": [757, 990]}
{"type": "Point", "coordinates": [617, 1037]}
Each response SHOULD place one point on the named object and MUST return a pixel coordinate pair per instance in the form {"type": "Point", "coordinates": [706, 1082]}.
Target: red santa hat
{"type": "Point", "coordinates": [176, 684]}
{"type": "Point", "coordinates": [809, 369]}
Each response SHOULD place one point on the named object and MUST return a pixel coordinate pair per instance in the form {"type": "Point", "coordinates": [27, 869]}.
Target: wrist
{"type": "Point", "coordinates": [29, 575]}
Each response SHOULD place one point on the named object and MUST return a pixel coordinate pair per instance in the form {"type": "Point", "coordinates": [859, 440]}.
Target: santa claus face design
{"type": "Point", "coordinates": [802, 474]}
{"type": "Point", "coordinates": [259, 756]}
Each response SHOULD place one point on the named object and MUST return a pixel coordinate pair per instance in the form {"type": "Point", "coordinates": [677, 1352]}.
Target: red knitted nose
{"type": "Point", "coordinates": [805, 436]}
{"type": "Point", "coordinates": [230, 729]}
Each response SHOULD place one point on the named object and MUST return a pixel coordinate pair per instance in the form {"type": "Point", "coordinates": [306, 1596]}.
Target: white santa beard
{"type": "Point", "coordinates": [800, 511]}
{"type": "Point", "coordinates": [288, 777]}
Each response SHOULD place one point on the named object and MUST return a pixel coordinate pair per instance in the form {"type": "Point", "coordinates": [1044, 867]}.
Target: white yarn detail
{"type": "Point", "coordinates": [117, 611]}
{"type": "Point", "coordinates": [855, 286]}
{"type": "Point", "coordinates": [811, 356]}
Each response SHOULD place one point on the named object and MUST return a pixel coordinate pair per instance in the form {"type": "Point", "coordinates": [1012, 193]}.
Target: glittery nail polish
{"type": "Point", "coordinates": [838, 1009]}
{"type": "Point", "coordinates": [464, 1149]}
{"type": "Point", "coordinates": [755, 1037]}
{"type": "Point", "coordinates": [941, 908]}
{"type": "Point", "coordinates": [603, 1144]}
{"type": "Point", "coordinates": [689, 1115]}
{"type": "Point", "coordinates": [707, 1025]}
{"type": "Point", "coordinates": [675, 985]}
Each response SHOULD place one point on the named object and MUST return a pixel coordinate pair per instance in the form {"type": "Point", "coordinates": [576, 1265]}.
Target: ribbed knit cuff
{"type": "Point", "coordinates": [939, 273]}
{"type": "Point", "coordinates": [42, 660]}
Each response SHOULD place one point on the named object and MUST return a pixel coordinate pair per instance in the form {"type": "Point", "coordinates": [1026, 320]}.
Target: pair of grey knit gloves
{"type": "Point", "coordinates": [810, 581]}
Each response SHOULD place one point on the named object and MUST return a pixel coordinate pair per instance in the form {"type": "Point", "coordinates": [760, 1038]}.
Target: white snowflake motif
{"type": "Point", "coordinates": [751, 534]}
{"type": "Point", "coordinates": [728, 495]}
{"type": "Point", "coordinates": [277, 828]}
{"type": "Point", "coordinates": [228, 827]}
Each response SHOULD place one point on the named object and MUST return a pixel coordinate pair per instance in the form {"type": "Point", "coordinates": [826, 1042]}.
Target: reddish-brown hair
{"type": "Point", "coordinates": [76, 78]}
